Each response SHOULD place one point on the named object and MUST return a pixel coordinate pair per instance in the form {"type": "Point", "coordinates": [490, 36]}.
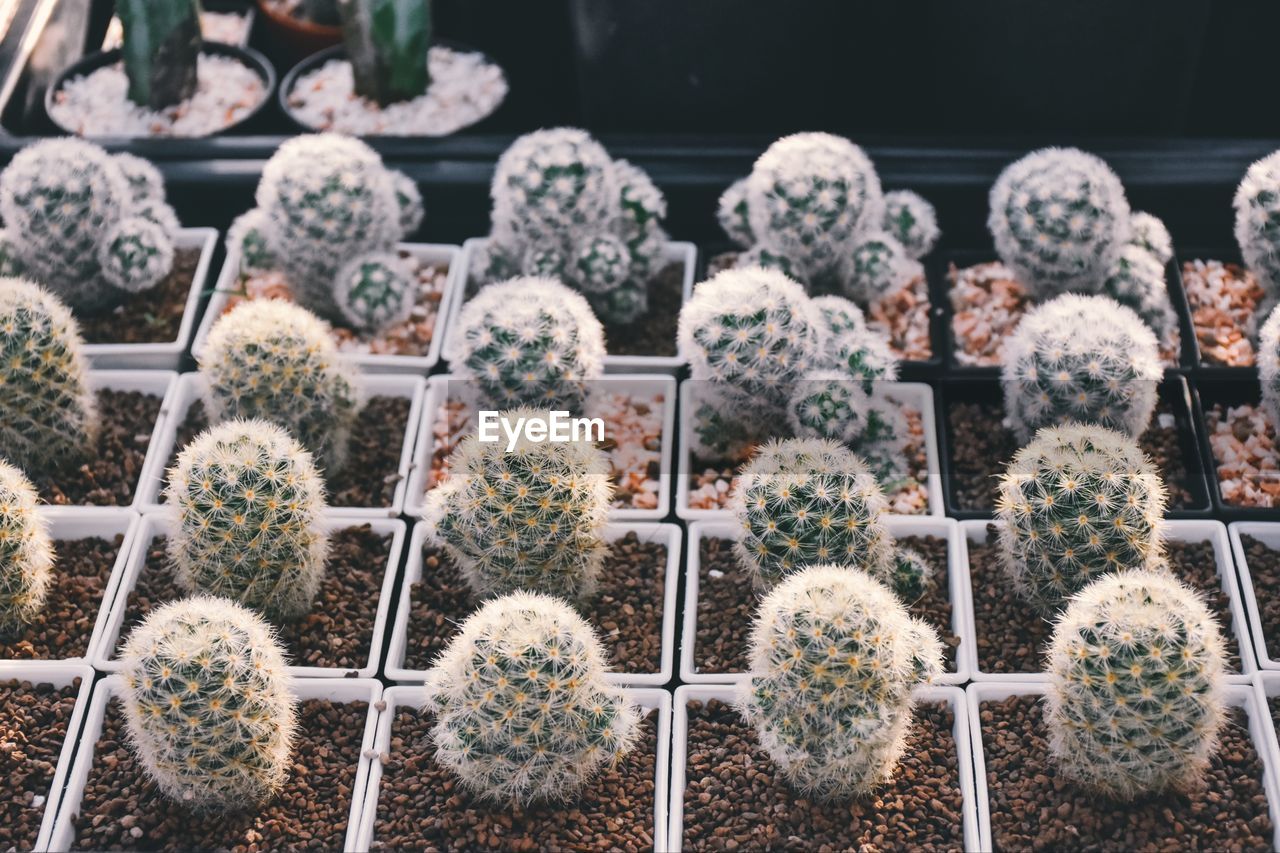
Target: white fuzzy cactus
{"type": "Point", "coordinates": [912, 221]}
{"type": "Point", "coordinates": [1136, 280]}
{"type": "Point", "coordinates": [375, 291]}
{"type": "Point", "coordinates": [1269, 366]}
{"type": "Point", "coordinates": [1257, 205]}
{"type": "Point", "coordinates": [877, 268]}
{"type": "Point", "coordinates": [26, 552]}
{"type": "Point", "coordinates": [852, 348]}
{"type": "Point", "coordinates": [1149, 232]}
{"type": "Point", "coordinates": [828, 404]}
{"type": "Point", "coordinates": [731, 213]}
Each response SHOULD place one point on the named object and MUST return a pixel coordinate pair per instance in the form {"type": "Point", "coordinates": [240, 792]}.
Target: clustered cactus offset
{"type": "Point", "coordinates": [1269, 366]}
{"type": "Point", "coordinates": [1257, 205]}
{"type": "Point", "coordinates": [26, 552]}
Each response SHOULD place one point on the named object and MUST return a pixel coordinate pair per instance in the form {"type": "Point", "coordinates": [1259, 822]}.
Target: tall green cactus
{"type": "Point", "coordinates": [161, 46]}
{"type": "Point", "coordinates": [387, 42]}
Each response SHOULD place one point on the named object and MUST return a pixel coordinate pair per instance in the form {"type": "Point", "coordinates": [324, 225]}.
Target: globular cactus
{"type": "Point", "coordinates": [49, 417]}
{"type": "Point", "coordinates": [412, 208]}
{"type": "Point", "coordinates": [1136, 688]}
{"type": "Point", "coordinates": [135, 251]}
{"type": "Point", "coordinates": [161, 46]}
{"type": "Point", "coordinates": [528, 341]}
{"type": "Point", "coordinates": [529, 518]}
{"type": "Point", "coordinates": [828, 404]}
{"type": "Point", "coordinates": [852, 348]}
{"type": "Point", "coordinates": [912, 221]}
{"type": "Point", "coordinates": [387, 43]}
{"type": "Point", "coordinates": [883, 441]}
{"type": "Point", "coordinates": [1080, 358]}
{"type": "Point", "coordinates": [522, 709]}
{"type": "Point", "coordinates": [1149, 233]}
{"type": "Point", "coordinates": [1257, 205]}
{"type": "Point", "coordinates": [833, 662]}
{"type": "Point", "coordinates": [878, 266]}
{"type": "Point", "coordinates": [26, 552]}
{"type": "Point", "coordinates": [910, 576]}
{"type": "Point", "coordinates": [247, 503]}
{"type": "Point", "coordinates": [271, 359]}
{"type": "Point", "coordinates": [1059, 217]}
{"type": "Point", "coordinates": [731, 213]}
{"type": "Point", "coordinates": [247, 238]}
{"type": "Point", "coordinates": [1136, 280]}
{"type": "Point", "coordinates": [802, 502]}
{"type": "Point", "coordinates": [208, 704]}
{"type": "Point", "coordinates": [1269, 366]}
{"type": "Point", "coordinates": [375, 291]}
{"type": "Point", "coordinates": [1077, 502]}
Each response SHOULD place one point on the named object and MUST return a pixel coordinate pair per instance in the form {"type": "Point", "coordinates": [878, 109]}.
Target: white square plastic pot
{"type": "Point", "coordinates": [1238, 696]}
{"type": "Point", "coordinates": [339, 690]}
{"type": "Point", "coordinates": [59, 674]}
{"type": "Point", "coordinates": [157, 524]}
{"type": "Point", "coordinates": [430, 253]}
{"type": "Point", "coordinates": [669, 534]}
{"type": "Point", "coordinates": [913, 395]}
{"type": "Point", "coordinates": [685, 254]}
{"type": "Point", "coordinates": [658, 701]}
{"type": "Point", "coordinates": [1266, 686]}
{"type": "Point", "coordinates": [953, 696]}
{"type": "Point", "coordinates": [1267, 532]}
{"type": "Point", "coordinates": [438, 394]}
{"type": "Point", "coordinates": [166, 355]}
{"type": "Point", "coordinates": [900, 527]}
{"type": "Point", "coordinates": [192, 387]}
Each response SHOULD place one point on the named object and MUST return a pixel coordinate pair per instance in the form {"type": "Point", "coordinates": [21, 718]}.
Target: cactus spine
{"type": "Point", "coordinates": [1257, 205]}
{"type": "Point", "coordinates": [1269, 366]}
{"type": "Point", "coordinates": [1136, 280]}
{"type": "Point", "coordinates": [26, 552]}
{"type": "Point", "coordinates": [912, 221]}
{"type": "Point", "coordinates": [161, 48]}
{"type": "Point", "coordinates": [1149, 233]}
{"type": "Point", "coordinates": [387, 43]}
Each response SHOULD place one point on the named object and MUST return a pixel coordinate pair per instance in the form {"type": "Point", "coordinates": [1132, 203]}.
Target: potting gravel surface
{"type": "Point", "coordinates": [626, 610]}
{"type": "Point", "coordinates": [123, 809]}
{"type": "Point", "coordinates": [62, 627]}
{"type": "Point", "coordinates": [371, 472]}
{"type": "Point", "coordinates": [109, 477]}
{"type": "Point", "coordinates": [1263, 563]}
{"type": "Point", "coordinates": [1245, 455]}
{"type": "Point", "coordinates": [152, 316]}
{"type": "Point", "coordinates": [421, 805]}
{"type": "Point", "coordinates": [733, 800]}
{"type": "Point", "coordinates": [1033, 808]}
{"type": "Point", "coordinates": [727, 604]}
{"type": "Point", "coordinates": [1012, 637]}
{"type": "Point", "coordinates": [33, 728]}
{"type": "Point", "coordinates": [336, 632]}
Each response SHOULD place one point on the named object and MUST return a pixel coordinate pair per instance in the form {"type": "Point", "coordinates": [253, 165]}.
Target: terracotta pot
{"type": "Point", "coordinates": [295, 37]}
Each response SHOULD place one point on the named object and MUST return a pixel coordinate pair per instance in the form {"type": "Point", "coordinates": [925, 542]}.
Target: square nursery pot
{"type": "Point", "coordinates": [378, 466]}
{"type": "Point", "coordinates": [320, 744]}
{"type": "Point", "coordinates": [644, 495]}
{"type": "Point", "coordinates": [1258, 567]}
{"type": "Point", "coordinates": [1242, 496]}
{"type": "Point", "coordinates": [703, 486]}
{"type": "Point", "coordinates": [87, 568]}
{"type": "Point", "coordinates": [353, 579]}
{"type": "Point", "coordinates": [54, 739]}
{"type": "Point", "coordinates": [873, 821]}
{"type": "Point", "coordinates": [1266, 688]}
{"type": "Point", "coordinates": [387, 750]}
{"type": "Point", "coordinates": [1034, 788]}
{"type": "Point", "coordinates": [620, 612]}
{"type": "Point", "coordinates": [1023, 635]}
{"type": "Point", "coordinates": [978, 446]}
{"type": "Point", "coordinates": [947, 608]}
{"type": "Point", "coordinates": [683, 254]}
{"type": "Point", "coordinates": [427, 254]}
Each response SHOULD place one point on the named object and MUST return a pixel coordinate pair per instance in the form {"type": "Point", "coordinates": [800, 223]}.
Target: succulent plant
{"type": "Point", "coordinates": [375, 291]}
{"type": "Point", "coordinates": [1080, 358]}
{"type": "Point", "coordinates": [271, 359]}
{"type": "Point", "coordinates": [1135, 699]}
{"type": "Point", "coordinates": [1136, 280]}
{"type": "Point", "coordinates": [828, 404]}
{"type": "Point", "coordinates": [387, 43]}
{"type": "Point", "coordinates": [911, 575]}
{"type": "Point", "coordinates": [853, 348]}
{"type": "Point", "coordinates": [248, 504]}
{"type": "Point", "coordinates": [26, 552]}
{"type": "Point", "coordinates": [912, 221]}
{"type": "Point", "coordinates": [247, 238]}
{"type": "Point", "coordinates": [1269, 366]}
{"type": "Point", "coordinates": [412, 209]}
{"type": "Point", "coordinates": [833, 660]}
{"type": "Point", "coordinates": [161, 46]}
{"type": "Point", "coordinates": [207, 703]}
{"type": "Point", "coordinates": [522, 709]}
{"type": "Point", "coordinates": [883, 442]}
{"type": "Point", "coordinates": [1077, 502]}
{"type": "Point", "coordinates": [732, 214]}
{"type": "Point", "coordinates": [878, 267]}
{"type": "Point", "coordinates": [1149, 232]}
{"type": "Point", "coordinates": [50, 415]}
{"type": "Point", "coordinates": [1257, 205]}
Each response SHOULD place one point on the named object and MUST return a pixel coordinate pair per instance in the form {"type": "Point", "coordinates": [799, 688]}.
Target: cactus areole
{"type": "Point", "coordinates": [161, 45]}
{"type": "Point", "coordinates": [387, 42]}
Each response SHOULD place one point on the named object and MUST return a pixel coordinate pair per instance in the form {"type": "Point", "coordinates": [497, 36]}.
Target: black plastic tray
{"type": "Point", "coordinates": [1234, 391]}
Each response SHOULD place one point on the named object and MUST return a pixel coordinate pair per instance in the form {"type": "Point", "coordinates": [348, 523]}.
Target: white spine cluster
{"type": "Point", "coordinates": [1257, 205]}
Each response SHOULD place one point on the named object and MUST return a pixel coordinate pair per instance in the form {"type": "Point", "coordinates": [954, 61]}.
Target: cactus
{"type": "Point", "coordinates": [136, 253]}
{"type": "Point", "coordinates": [161, 47]}
{"type": "Point", "coordinates": [1257, 205]}
{"type": "Point", "coordinates": [144, 179]}
{"type": "Point", "coordinates": [522, 709]}
{"type": "Point", "coordinates": [248, 504]}
{"type": "Point", "coordinates": [834, 658]}
{"type": "Point", "coordinates": [732, 214]}
{"type": "Point", "coordinates": [1077, 502]}
{"type": "Point", "coordinates": [375, 291]}
{"type": "Point", "coordinates": [1059, 217]}
{"type": "Point", "coordinates": [207, 704]}
{"type": "Point", "coordinates": [271, 359]}
{"type": "Point", "coordinates": [247, 238]}
{"type": "Point", "coordinates": [387, 43]}
{"type": "Point", "coordinates": [883, 442]}
{"type": "Point", "coordinates": [50, 416]}
{"type": "Point", "coordinates": [1136, 280]}
{"type": "Point", "coordinates": [852, 348]}
{"type": "Point", "coordinates": [912, 221]}
{"type": "Point", "coordinates": [911, 575]}
{"type": "Point", "coordinates": [1136, 695]}
{"type": "Point", "coordinates": [827, 404]}
{"type": "Point", "coordinates": [1080, 358]}
{"type": "Point", "coordinates": [412, 208]}
{"type": "Point", "coordinates": [878, 267]}
{"type": "Point", "coordinates": [26, 552]}
{"type": "Point", "coordinates": [1149, 233]}
{"type": "Point", "coordinates": [528, 519]}
{"type": "Point", "coordinates": [529, 341]}
{"type": "Point", "coordinates": [1269, 366]}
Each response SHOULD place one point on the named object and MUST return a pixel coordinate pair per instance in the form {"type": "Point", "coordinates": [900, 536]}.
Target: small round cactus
{"type": "Point", "coordinates": [1136, 280]}
{"type": "Point", "coordinates": [409, 197]}
{"type": "Point", "coordinates": [1257, 204]}
{"type": "Point", "coordinates": [522, 710]}
{"type": "Point", "coordinates": [1077, 502]}
{"type": "Point", "coordinates": [883, 442]}
{"type": "Point", "coordinates": [911, 575]}
{"type": "Point", "coordinates": [601, 267]}
{"type": "Point", "coordinates": [1269, 366]}
{"type": "Point", "coordinates": [551, 182]}
{"type": "Point", "coordinates": [136, 253]}
{"type": "Point", "coordinates": [375, 291]}
{"type": "Point", "coordinates": [1059, 217]}
{"type": "Point", "coordinates": [834, 658]}
{"type": "Point", "coordinates": [912, 221]}
{"type": "Point", "coordinates": [143, 178]}
{"type": "Point", "coordinates": [1149, 233]}
{"type": "Point", "coordinates": [841, 315]}
{"type": "Point", "coordinates": [1080, 358]}
{"type": "Point", "coordinates": [248, 504]}
{"type": "Point", "coordinates": [248, 237]}
{"type": "Point", "coordinates": [26, 552]}
{"type": "Point", "coordinates": [639, 220]}
{"type": "Point", "coordinates": [271, 359]}
{"type": "Point", "coordinates": [1136, 699]}
{"type": "Point", "coordinates": [207, 702]}
{"type": "Point", "coordinates": [852, 348]}
{"type": "Point", "coordinates": [878, 267]}
{"type": "Point", "coordinates": [828, 404]}
{"type": "Point", "coordinates": [732, 214]}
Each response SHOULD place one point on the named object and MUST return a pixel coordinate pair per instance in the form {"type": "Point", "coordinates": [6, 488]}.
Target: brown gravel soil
{"type": "Point", "coordinates": [1011, 638]}
{"type": "Point", "coordinates": [1223, 299]}
{"type": "Point", "coordinates": [727, 604]}
{"type": "Point", "coordinates": [151, 317]}
{"type": "Point", "coordinates": [372, 471]}
{"type": "Point", "coordinates": [421, 805]}
{"type": "Point", "coordinates": [1032, 808]}
{"type": "Point", "coordinates": [64, 625]}
{"type": "Point", "coordinates": [338, 630]}
{"type": "Point", "coordinates": [33, 729]}
{"type": "Point", "coordinates": [109, 477]}
{"type": "Point", "coordinates": [1263, 564]}
{"type": "Point", "coordinates": [734, 801]}
{"type": "Point", "coordinates": [626, 609]}
{"type": "Point", "coordinates": [123, 810]}
{"type": "Point", "coordinates": [1246, 458]}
